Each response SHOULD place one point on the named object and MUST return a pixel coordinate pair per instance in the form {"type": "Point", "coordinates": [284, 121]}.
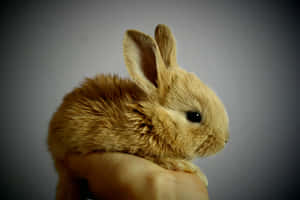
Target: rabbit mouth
{"type": "Point", "coordinates": [210, 145]}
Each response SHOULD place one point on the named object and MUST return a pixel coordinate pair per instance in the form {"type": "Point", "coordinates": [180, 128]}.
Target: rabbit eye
{"type": "Point", "coordinates": [194, 116]}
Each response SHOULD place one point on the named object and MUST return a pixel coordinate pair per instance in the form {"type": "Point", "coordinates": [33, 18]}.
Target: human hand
{"type": "Point", "coordinates": [124, 176]}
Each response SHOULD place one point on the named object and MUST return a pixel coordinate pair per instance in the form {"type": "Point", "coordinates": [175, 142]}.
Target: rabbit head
{"type": "Point", "coordinates": [181, 107]}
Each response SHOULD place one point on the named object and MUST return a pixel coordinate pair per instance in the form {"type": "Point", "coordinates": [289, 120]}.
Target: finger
{"type": "Point", "coordinates": [107, 173]}
{"type": "Point", "coordinates": [190, 186]}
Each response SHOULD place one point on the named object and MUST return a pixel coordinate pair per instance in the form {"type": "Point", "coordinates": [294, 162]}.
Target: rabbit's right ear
{"type": "Point", "coordinates": [167, 44]}
{"type": "Point", "coordinates": [143, 60]}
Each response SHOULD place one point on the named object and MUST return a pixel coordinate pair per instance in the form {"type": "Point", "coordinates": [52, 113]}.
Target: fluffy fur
{"type": "Point", "coordinates": [145, 116]}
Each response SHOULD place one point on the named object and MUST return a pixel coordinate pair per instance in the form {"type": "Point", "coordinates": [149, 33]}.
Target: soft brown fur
{"type": "Point", "coordinates": [145, 117]}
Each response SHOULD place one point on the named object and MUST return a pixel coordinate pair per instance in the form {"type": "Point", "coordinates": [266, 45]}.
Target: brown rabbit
{"type": "Point", "coordinates": [165, 114]}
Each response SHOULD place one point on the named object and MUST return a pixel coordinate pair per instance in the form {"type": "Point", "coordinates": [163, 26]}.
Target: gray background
{"type": "Point", "coordinates": [246, 51]}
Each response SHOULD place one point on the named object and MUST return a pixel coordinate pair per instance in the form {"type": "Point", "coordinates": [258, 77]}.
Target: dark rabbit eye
{"type": "Point", "coordinates": [194, 116]}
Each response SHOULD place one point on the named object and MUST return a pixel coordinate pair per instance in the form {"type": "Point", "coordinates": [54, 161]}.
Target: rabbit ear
{"type": "Point", "coordinates": [143, 60]}
{"type": "Point", "coordinates": [167, 44]}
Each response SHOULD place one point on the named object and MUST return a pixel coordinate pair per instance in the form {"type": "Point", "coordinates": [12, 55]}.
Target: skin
{"type": "Point", "coordinates": [124, 176]}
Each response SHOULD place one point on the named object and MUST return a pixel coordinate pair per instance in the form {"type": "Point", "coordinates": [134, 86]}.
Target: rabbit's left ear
{"type": "Point", "coordinates": [144, 62]}
{"type": "Point", "coordinates": [167, 44]}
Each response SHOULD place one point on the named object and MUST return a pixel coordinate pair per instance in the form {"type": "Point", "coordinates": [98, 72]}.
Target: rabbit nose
{"type": "Point", "coordinates": [226, 137]}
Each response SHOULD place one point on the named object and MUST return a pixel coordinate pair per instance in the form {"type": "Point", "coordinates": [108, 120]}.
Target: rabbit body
{"type": "Point", "coordinates": [110, 114]}
{"type": "Point", "coordinates": [164, 114]}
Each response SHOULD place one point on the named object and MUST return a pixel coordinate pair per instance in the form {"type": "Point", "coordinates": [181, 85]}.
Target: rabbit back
{"type": "Point", "coordinates": [92, 117]}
